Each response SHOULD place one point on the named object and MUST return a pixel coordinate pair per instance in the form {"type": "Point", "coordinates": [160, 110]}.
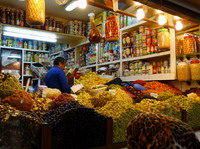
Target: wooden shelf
{"type": "Point", "coordinates": [107, 63]}
{"type": "Point", "coordinates": [61, 37]}
{"type": "Point", "coordinates": [146, 56]}
{"type": "Point", "coordinates": [81, 44]}
{"type": "Point", "coordinates": [166, 76]}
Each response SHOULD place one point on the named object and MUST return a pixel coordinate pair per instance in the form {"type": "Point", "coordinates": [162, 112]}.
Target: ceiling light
{"type": "Point", "coordinates": [140, 14]}
{"type": "Point", "coordinates": [28, 36]}
{"type": "Point", "coordinates": [71, 6]}
{"type": "Point", "coordinates": [82, 3]}
{"type": "Point", "coordinates": [138, 3]}
{"type": "Point", "coordinates": [30, 32]}
{"type": "Point", "coordinates": [179, 25]}
{"type": "Point", "coordinates": [162, 19]}
{"type": "Point", "coordinates": [176, 17]}
{"type": "Point", "coordinates": [159, 11]}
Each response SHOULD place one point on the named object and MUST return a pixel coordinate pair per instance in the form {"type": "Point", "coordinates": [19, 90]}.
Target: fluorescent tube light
{"type": "Point", "coordinates": [27, 36]}
{"type": "Point", "coordinates": [71, 6]}
{"type": "Point", "coordinates": [27, 31]}
{"type": "Point", "coordinates": [82, 4]}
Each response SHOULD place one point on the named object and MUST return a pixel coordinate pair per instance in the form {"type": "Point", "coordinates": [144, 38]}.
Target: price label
{"type": "Point", "coordinates": [76, 88]}
{"type": "Point", "coordinates": [154, 95]}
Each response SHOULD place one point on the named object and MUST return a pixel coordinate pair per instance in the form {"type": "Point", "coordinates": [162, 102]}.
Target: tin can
{"type": "Point", "coordinates": [149, 40]}
{"type": "Point", "coordinates": [148, 31]}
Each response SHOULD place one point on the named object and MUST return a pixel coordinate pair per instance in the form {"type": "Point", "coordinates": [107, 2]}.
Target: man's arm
{"type": "Point", "coordinates": [63, 82]}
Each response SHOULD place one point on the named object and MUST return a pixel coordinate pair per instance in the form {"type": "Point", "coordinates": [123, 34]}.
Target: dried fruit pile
{"type": "Point", "coordinates": [148, 105]}
{"type": "Point", "coordinates": [137, 93]}
{"type": "Point", "coordinates": [192, 90]}
{"type": "Point", "coordinates": [91, 79]}
{"type": "Point", "coordinates": [156, 131]}
{"type": "Point", "coordinates": [21, 100]}
{"type": "Point", "coordinates": [8, 84]}
{"type": "Point", "coordinates": [158, 87]}
{"type": "Point", "coordinates": [61, 99]}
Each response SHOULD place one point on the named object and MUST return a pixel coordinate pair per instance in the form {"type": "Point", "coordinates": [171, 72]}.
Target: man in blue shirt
{"type": "Point", "coordinates": [55, 78]}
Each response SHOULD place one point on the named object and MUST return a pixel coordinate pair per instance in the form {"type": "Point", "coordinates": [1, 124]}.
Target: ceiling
{"type": "Point", "coordinates": [53, 9]}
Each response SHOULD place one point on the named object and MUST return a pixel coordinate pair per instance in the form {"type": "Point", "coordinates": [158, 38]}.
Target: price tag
{"type": "Point", "coordinates": [154, 95]}
{"type": "Point", "coordinates": [76, 88]}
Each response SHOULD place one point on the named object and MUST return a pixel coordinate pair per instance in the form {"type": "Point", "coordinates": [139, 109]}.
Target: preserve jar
{"type": "Point", "coordinates": [163, 39]}
{"type": "Point", "coordinates": [183, 71]}
{"type": "Point", "coordinates": [189, 45]}
{"type": "Point", "coordinates": [195, 70]}
{"type": "Point", "coordinates": [112, 29]}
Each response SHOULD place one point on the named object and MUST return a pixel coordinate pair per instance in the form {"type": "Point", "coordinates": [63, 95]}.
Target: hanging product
{"type": "Point", "coordinates": [112, 29]}
{"type": "Point", "coordinates": [35, 12]}
{"type": "Point", "coordinates": [61, 2]}
{"type": "Point", "coordinates": [95, 35]}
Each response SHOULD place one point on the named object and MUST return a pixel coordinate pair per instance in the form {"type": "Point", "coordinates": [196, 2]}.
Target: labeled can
{"type": "Point", "coordinates": [148, 31]}
{"type": "Point", "coordinates": [149, 41]}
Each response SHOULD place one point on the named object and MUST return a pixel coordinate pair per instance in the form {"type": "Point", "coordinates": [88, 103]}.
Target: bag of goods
{"type": "Point", "coordinates": [51, 93]}
{"type": "Point", "coordinates": [95, 35]}
{"type": "Point", "coordinates": [21, 100]}
{"type": "Point", "coordinates": [61, 99]}
{"type": "Point", "coordinates": [8, 84]}
{"type": "Point", "coordinates": [160, 131]}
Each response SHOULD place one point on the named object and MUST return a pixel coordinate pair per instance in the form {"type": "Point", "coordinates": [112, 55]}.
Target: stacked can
{"type": "Point", "coordinates": [84, 29]}
{"type": "Point", "coordinates": [76, 27]}
{"type": "Point", "coordinates": [70, 27]}
{"type": "Point", "coordinates": [151, 40]}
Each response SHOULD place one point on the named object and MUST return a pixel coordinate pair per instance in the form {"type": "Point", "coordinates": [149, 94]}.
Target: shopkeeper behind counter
{"type": "Point", "coordinates": [55, 78]}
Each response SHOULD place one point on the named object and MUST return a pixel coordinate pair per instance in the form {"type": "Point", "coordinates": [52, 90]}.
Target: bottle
{"type": "Point", "coordinates": [3, 16]}
{"type": "Point", "coordinates": [17, 18]}
{"type": "Point", "coordinates": [12, 17]}
{"type": "Point", "coordinates": [25, 45]}
{"type": "Point", "coordinates": [154, 68]}
{"type": "Point", "coordinates": [50, 24]}
{"type": "Point", "coordinates": [53, 25]}
{"type": "Point", "coordinates": [47, 24]}
{"type": "Point", "coordinates": [27, 70]}
{"type": "Point", "coordinates": [57, 26]}
{"type": "Point", "coordinates": [8, 20]}
{"type": "Point", "coordinates": [21, 18]}
{"type": "Point", "coordinates": [158, 68]}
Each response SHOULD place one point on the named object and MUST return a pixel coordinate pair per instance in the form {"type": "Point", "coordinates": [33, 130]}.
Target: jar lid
{"type": "Point", "coordinates": [163, 29]}
{"type": "Point", "coordinates": [195, 61]}
{"type": "Point", "coordinates": [188, 36]}
{"type": "Point", "coordinates": [113, 16]}
{"type": "Point", "coordinates": [182, 63]}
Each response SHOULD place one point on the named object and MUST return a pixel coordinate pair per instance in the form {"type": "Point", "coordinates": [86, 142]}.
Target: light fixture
{"type": "Point", "coordinates": [140, 13]}
{"type": "Point", "coordinates": [82, 4]}
{"type": "Point", "coordinates": [29, 32]}
{"type": "Point", "coordinates": [32, 37]}
{"type": "Point", "coordinates": [159, 11]}
{"type": "Point", "coordinates": [71, 6]}
{"type": "Point", "coordinates": [162, 19]}
{"type": "Point", "coordinates": [179, 25]}
{"type": "Point", "coordinates": [176, 17]}
{"type": "Point", "coordinates": [138, 3]}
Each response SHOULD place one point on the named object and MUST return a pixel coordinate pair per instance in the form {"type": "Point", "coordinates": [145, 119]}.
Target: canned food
{"type": "Point", "coordinates": [148, 31]}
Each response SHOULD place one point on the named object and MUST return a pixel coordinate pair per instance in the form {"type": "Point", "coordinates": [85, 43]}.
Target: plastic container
{"type": "Point", "coordinates": [112, 29]}
{"type": "Point", "coordinates": [163, 39]}
{"type": "Point", "coordinates": [189, 45]}
{"type": "Point", "coordinates": [195, 70]}
{"type": "Point", "coordinates": [183, 71]}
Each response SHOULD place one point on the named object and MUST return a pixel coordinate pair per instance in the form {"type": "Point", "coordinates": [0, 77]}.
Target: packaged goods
{"type": "Point", "coordinates": [163, 39]}
{"type": "Point", "coordinates": [112, 29]}
{"type": "Point", "coordinates": [189, 45]}
{"type": "Point", "coordinates": [156, 131]}
{"type": "Point", "coordinates": [183, 71]}
{"type": "Point", "coordinates": [195, 70]}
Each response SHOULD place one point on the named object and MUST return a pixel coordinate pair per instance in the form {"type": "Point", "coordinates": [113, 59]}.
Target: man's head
{"type": "Point", "coordinates": [60, 62]}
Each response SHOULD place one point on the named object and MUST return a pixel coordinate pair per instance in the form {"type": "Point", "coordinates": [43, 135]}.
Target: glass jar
{"type": "Point", "coordinates": [163, 39]}
{"type": "Point", "coordinates": [189, 45]}
{"type": "Point", "coordinates": [112, 29]}
{"type": "Point", "coordinates": [126, 72]}
{"type": "Point", "coordinates": [195, 70]}
{"type": "Point", "coordinates": [183, 71]}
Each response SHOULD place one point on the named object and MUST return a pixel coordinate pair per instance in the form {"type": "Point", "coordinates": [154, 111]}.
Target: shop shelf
{"type": "Point", "coordinates": [32, 50]}
{"type": "Point", "coordinates": [107, 63]}
{"type": "Point", "coordinates": [89, 66]}
{"type": "Point", "coordinates": [61, 37]}
{"type": "Point", "coordinates": [166, 76]}
{"type": "Point", "coordinates": [146, 56]}
{"type": "Point", "coordinates": [30, 62]}
{"type": "Point", "coordinates": [57, 53]}
{"type": "Point", "coordinates": [27, 75]}
{"type": "Point", "coordinates": [78, 45]}
{"type": "Point", "coordinates": [14, 48]}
